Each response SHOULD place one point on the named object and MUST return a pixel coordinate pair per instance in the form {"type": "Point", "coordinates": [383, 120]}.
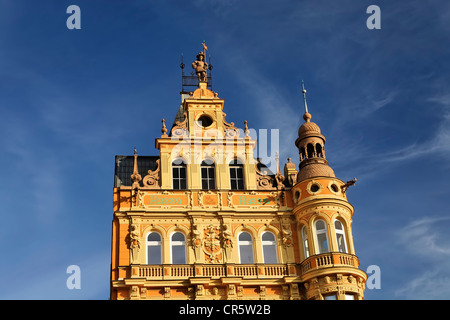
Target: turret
{"type": "Point", "coordinates": [324, 217]}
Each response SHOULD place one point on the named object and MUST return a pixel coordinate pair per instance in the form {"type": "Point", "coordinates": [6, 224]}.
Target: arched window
{"type": "Point", "coordinates": [319, 150]}
{"type": "Point", "coordinates": [245, 244]}
{"type": "Point", "coordinates": [305, 242]}
{"type": "Point", "coordinates": [269, 246]}
{"type": "Point", "coordinates": [310, 150]}
{"type": "Point", "coordinates": [236, 175]}
{"type": "Point", "coordinates": [302, 154]}
{"type": "Point", "coordinates": [208, 175]}
{"type": "Point", "coordinates": [340, 236]}
{"type": "Point", "coordinates": [154, 252]}
{"type": "Point", "coordinates": [178, 246]}
{"type": "Point", "coordinates": [179, 174]}
{"type": "Point", "coordinates": [321, 237]}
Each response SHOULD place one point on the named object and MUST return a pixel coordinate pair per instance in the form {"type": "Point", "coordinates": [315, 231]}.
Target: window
{"type": "Point", "coordinates": [349, 296]}
{"type": "Point", "coordinates": [321, 237]}
{"type": "Point", "coordinates": [330, 297]}
{"type": "Point", "coordinates": [245, 244]}
{"type": "Point", "coordinates": [269, 246]}
{"type": "Point", "coordinates": [340, 236]}
{"type": "Point", "coordinates": [310, 150]}
{"type": "Point", "coordinates": [204, 121]}
{"type": "Point", "coordinates": [208, 175]}
{"type": "Point", "coordinates": [319, 150]}
{"type": "Point", "coordinates": [154, 253]}
{"type": "Point", "coordinates": [178, 245]}
{"type": "Point", "coordinates": [236, 175]}
{"type": "Point", "coordinates": [305, 242]}
{"type": "Point", "coordinates": [179, 174]}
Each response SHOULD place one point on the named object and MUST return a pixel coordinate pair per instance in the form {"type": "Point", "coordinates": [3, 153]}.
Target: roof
{"type": "Point", "coordinates": [124, 168]}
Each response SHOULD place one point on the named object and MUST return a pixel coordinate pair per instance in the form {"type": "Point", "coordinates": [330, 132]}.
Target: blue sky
{"type": "Point", "coordinates": [70, 100]}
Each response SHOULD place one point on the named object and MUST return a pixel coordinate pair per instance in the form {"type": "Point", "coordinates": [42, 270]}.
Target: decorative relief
{"type": "Point", "coordinates": [287, 235]}
{"type": "Point", "coordinates": [211, 244]}
{"type": "Point", "coordinates": [180, 129]}
{"type": "Point", "coordinates": [230, 130]}
{"type": "Point", "coordinates": [151, 180]}
{"type": "Point", "coordinates": [227, 242]}
{"type": "Point", "coordinates": [134, 243]}
{"type": "Point", "coordinates": [229, 199]}
{"type": "Point", "coordinates": [134, 292]}
{"type": "Point", "coordinates": [263, 180]}
{"type": "Point", "coordinates": [196, 241]}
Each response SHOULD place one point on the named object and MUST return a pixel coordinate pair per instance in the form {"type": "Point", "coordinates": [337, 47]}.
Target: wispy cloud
{"type": "Point", "coordinates": [426, 238]}
{"type": "Point", "coordinates": [274, 112]}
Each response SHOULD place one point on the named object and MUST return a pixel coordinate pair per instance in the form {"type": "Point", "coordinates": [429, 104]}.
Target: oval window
{"type": "Point", "coordinates": [204, 121]}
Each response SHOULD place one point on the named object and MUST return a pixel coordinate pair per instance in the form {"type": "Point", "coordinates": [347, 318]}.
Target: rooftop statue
{"type": "Point", "coordinates": [200, 66]}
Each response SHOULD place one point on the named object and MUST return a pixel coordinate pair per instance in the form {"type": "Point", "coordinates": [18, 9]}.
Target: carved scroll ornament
{"type": "Point", "coordinates": [151, 180]}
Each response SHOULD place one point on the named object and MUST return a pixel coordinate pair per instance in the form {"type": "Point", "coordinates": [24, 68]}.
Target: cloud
{"type": "Point", "coordinates": [431, 285]}
{"type": "Point", "coordinates": [426, 238]}
{"type": "Point", "coordinates": [422, 237]}
{"type": "Point", "coordinates": [274, 112]}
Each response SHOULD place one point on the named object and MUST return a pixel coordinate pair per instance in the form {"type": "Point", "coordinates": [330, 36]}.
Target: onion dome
{"type": "Point", "coordinates": [311, 146]}
{"type": "Point", "coordinates": [308, 127]}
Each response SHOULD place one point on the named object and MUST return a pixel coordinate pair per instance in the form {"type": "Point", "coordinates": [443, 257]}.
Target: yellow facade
{"type": "Point", "coordinates": [280, 236]}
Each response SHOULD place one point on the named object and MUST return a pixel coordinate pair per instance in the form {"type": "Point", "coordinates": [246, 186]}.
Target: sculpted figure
{"type": "Point", "coordinates": [134, 243]}
{"type": "Point", "coordinates": [200, 67]}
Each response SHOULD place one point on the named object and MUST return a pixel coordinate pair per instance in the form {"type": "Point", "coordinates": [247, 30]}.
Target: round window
{"type": "Point", "coordinates": [334, 188]}
{"type": "Point", "coordinates": [296, 196]}
{"type": "Point", "coordinates": [204, 121]}
{"type": "Point", "coordinates": [315, 188]}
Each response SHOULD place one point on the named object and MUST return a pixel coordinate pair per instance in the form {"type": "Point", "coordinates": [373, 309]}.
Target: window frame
{"type": "Point", "coordinates": [158, 244]}
{"type": "Point", "coordinates": [237, 167]}
{"type": "Point", "coordinates": [248, 243]}
{"type": "Point", "coordinates": [320, 232]}
{"type": "Point", "coordinates": [340, 232]}
{"type": "Point", "coordinates": [210, 168]}
{"type": "Point", "coordinates": [177, 243]}
{"type": "Point", "coordinates": [179, 167]}
{"type": "Point", "coordinates": [268, 243]}
{"type": "Point", "coordinates": [305, 242]}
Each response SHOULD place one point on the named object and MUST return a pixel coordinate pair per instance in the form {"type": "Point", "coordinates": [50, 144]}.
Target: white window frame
{"type": "Point", "coordinates": [319, 232]}
{"type": "Point", "coordinates": [269, 243]}
{"type": "Point", "coordinates": [245, 243]}
{"type": "Point", "coordinates": [305, 242]}
{"type": "Point", "coordinates": [340, 232]}
{"type": "Point", "coordinates": [153, 244]}
{"type": "Point", "coordinates": [177, 243]}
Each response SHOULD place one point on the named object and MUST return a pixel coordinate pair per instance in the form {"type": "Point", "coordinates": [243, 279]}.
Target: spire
{"type": "Point", "coordinates": [135, 177]}
{"type": "Point", "coordinates": [304, 98]}
{"type": "Point", "coordinates": [164, 129]}
{"type": "Point", "coordinates": [279, 177]}
{"type": "Point", "coordinates": [311, 146]}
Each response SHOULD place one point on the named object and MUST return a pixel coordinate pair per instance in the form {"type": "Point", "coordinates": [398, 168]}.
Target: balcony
{"type": "Point", "coordinates": [214, 271]}
{"type": "Point", "coordinates": [327, 260]}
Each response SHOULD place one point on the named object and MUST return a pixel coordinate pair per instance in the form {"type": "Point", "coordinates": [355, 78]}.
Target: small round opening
{"type": "Point", "coordinates": [315, 188]}
{"type": "Point", "coordinates": [204, 121]}
{"type": "Point", "coordinates": [334, 188]}
{"type": "Point", "coordinates": [296, 196]}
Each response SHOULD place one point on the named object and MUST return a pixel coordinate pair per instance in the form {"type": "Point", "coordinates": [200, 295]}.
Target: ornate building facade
{"type": "Point", "coordinates": [204, 219]}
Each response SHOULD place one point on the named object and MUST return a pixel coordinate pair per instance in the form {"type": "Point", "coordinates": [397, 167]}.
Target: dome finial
{"type": "Point", "coordinates": [304, 96]}
{"type": "Point", "coordinates": [307, 115]}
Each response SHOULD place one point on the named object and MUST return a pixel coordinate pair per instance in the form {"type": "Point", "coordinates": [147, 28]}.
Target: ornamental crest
{"type": "Point", "coordinates": [211, 244]}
